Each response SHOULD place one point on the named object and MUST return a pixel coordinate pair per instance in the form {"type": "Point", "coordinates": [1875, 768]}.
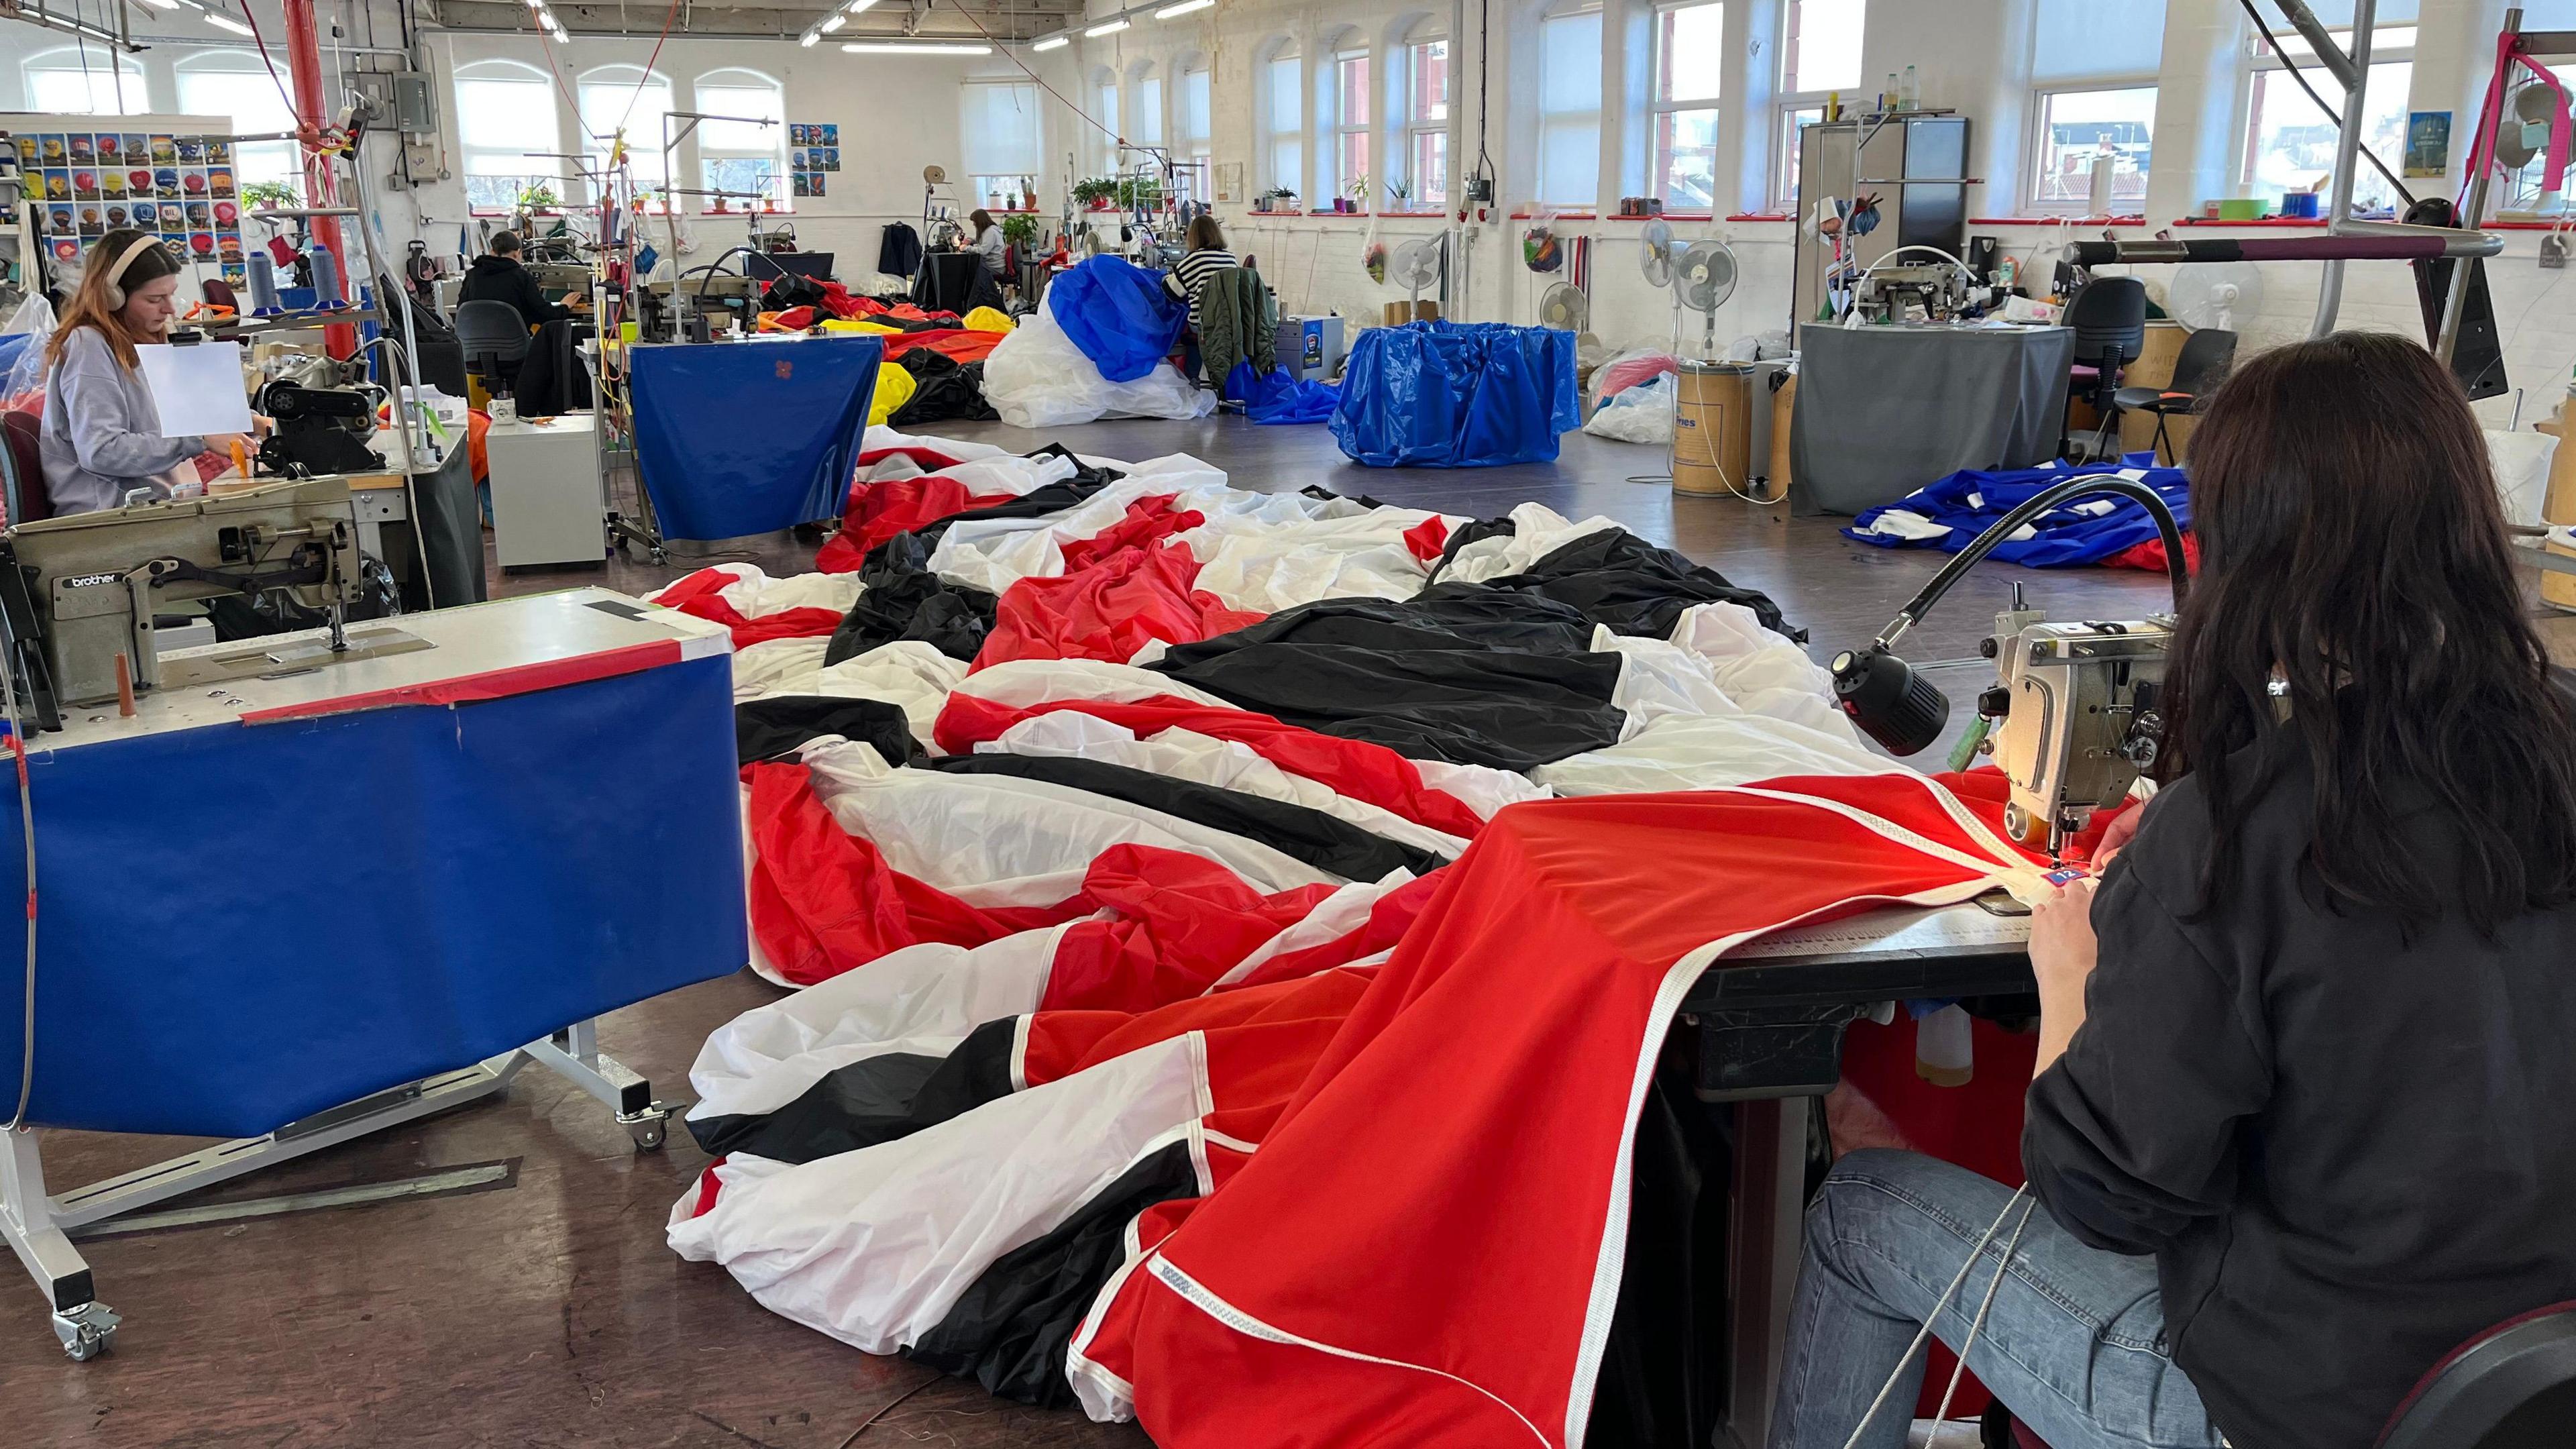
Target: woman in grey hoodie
{"type": "Point", "coordinates": [102, 434]}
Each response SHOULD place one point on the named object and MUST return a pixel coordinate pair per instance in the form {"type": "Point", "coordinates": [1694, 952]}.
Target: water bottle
{"type": "Point", "coordinates": [1910, 98]}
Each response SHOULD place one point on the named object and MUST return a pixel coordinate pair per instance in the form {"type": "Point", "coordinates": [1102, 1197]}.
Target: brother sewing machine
{"type": "Point", "coordinates": [78, 595]}
{"type": "Point", "coordinates": [2073, 719]}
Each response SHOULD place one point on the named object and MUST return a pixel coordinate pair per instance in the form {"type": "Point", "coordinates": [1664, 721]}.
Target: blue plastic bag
{"type": "Point", "coordinates": [1444, 394]}
{"type": "Point", "coordinates": [1278, 397]}
{"type": "Point", "coordinates": [1119, 315]}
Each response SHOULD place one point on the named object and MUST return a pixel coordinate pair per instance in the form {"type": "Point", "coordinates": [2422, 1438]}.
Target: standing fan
{"type": "Point", "coordinates": [1702, 280]}
{"type": "Point", "coordinates": [2215, 294]}
{"type": "Point", "coordinates": [1656, 262]}
{"type": "Point", "coordinates": [1415, 265]}
{"type": "Point", "coordinates": [1565, 308]}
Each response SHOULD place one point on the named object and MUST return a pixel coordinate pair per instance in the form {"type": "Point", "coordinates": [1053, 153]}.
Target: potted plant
{"type": "Point", "coordinates": [267, 195]}
{"type": "Point", "coordinates": [1095, 194]}
{"type": "Point", "coordinates": [540, 197]}
{"type": "Point", "coordinates": [1028, 193]}
{"type": "Point", "coordinates": [1359, 194]}
{"type": "Point", "coordinates": [1399, 195]}
{"type": "Point", "coordinates": [1139, 193]}
{"type": "Point", "coordinates": [1271, 200]}
{"type": "Point", "coordinates": [1021, 231]}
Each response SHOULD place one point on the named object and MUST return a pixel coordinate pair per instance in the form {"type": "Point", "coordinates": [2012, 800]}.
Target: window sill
{"type": "Point", "coordinates": [2316, 223]}
{"type": "Point", "coordinates": [2057, 221]}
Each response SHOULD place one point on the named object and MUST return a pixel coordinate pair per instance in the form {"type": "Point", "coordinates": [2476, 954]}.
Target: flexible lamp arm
{"type": "Point", "coordinates": [2030, 508]}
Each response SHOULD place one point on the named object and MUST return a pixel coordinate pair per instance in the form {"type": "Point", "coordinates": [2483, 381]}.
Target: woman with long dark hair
{"type": "Point", "coordinates": [2307, 1062]}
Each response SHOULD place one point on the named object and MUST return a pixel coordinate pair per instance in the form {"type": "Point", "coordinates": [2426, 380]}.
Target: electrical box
{"type": "Point", "coordinates": [402, 99]}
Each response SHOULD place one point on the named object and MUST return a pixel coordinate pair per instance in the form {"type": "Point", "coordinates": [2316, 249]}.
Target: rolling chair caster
{"type": "Point", "coordinates": [86, 1331]}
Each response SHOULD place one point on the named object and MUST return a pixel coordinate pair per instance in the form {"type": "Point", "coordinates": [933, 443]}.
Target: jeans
{"type": "Point", "coordinates": [2074, 1344]}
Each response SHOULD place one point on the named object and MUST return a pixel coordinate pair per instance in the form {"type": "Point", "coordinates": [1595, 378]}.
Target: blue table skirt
{"type": "Point", "coordinates": [738, 438]}
{"type": "Point", "coordinates": [241, 925]}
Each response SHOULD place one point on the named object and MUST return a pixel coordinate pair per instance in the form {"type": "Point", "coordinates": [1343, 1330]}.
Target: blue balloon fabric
{"type": "Point", "coordinates": [1279, 398]}
{"type": "Point", "coordinates": [2085, 531]}
{"type": "Point", "coordinates": [753, 437]}
{"type": "Point", "coordinates": [1118, 314]}
{"type": "Point", "coordinates": [1442, 394]}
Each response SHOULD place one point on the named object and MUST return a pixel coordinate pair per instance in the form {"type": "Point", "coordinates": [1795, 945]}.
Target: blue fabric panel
{"type": "Point", "coordinates": [1443, 394]}
{"type": "Point", "coordinates": [742, 438]}
{"type": "Point", "coordinates": [1971, 500]}
{"type": "Point", "coordinates": [1280, 398]}
{"type": "Point", "coordinates": [1119, 315]}
{"type": "Point", "coordinates": [242, 925]}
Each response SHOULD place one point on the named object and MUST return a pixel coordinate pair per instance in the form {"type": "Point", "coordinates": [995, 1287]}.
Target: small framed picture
{"type": "Point", "coordinates": [827, 134]}
{"type": "Point", "coordinates": [831, 158]}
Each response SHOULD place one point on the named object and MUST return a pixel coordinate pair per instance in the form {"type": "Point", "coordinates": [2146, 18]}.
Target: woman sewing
{"type": "Point", "coordinates": [2299, 1127]}
{"type": "Point", "coordinates": [989, 242]}
{"type": "Point", "coordinates": [101, 439]}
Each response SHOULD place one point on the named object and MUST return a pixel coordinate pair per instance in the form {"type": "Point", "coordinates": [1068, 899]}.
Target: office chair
{"type": "Point", "coordinates": [29, 499]}
{"type": "Point", "coordinates": [2109, 319]}
{"type": "Point", "coordinates": [495, 338]}
{"type": "Point", "coordinates": [2511, 1387]}
{"type": "Point", "coordinates": [2198, 369]}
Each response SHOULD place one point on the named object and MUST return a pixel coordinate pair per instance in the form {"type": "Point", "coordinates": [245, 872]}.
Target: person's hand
{"type": "Point", "coordinates": [2117, 835]}
{"type": "Point", "coordinates": [222, 444]}
{"type": "Point", "coordinates": [261, 427]}
{"type": "Point", "coordinates": [2063, 949]}
{"type": "Point", "coordinates": [577, 303]}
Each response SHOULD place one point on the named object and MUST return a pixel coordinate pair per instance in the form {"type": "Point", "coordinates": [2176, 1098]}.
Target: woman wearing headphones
{"type": "Point", "coordinates": [102, 435]}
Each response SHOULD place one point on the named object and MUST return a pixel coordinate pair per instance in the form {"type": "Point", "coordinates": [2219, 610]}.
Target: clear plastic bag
{"type": "Point", "coordinates": [1037, 378]}
{"type": "Point", "coordinates": [33, 321]}
{"type": "Point", "coordinates": [1639, 414]}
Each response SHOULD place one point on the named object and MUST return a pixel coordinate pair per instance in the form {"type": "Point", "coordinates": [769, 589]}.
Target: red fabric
{"type": "Point", "coordinates": [794, 319]}
{"type": "Point", "coordinates": [1060, 1043]}
{"type": "Point", "coordinates": [1497, 1057]}
{"type": "Point", "coordinates": [1388, 920]}
{"type": "Point", "coordinates": [1355, 768]}
{"type": "Point", "coordinates": [960, 343]}
{"type": "Point", "coordinates": [879, 511]}
{"type": "Point", "coordinates": [490, 684]}
{"type": "Point", "coordinates": [1109, 610]}
{"type": "Point", "coordinates": [1180, 923]}
{"type": "Point", "coordinates": [1426, 539]}
{"type": "Point", "coordinates": [1147, 520]}
{"type": "Point", "coordinates": [2151, 555]}
{"type": "Point", "coordinates": [701, 596]}
{"type": "Point", "coordinates": [930, 459]}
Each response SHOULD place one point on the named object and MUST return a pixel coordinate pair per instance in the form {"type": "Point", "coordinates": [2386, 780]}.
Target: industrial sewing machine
{"type": "Point", "coordinates": [2073, 719]}
{"type": "Point", "coordinates": [1932, 292]}
{"type": "Point", "coordinates": [78, 595]}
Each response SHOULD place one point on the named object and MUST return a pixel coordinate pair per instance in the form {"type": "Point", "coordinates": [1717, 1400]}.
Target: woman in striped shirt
{"type": "Point", "coordinates": [1188, 278]}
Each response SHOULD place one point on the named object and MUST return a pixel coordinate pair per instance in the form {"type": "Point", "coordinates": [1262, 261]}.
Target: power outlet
{"type": "Point", "coordinates": [2553, 251]}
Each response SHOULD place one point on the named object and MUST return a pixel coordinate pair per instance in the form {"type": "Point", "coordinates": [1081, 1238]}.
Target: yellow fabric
{"type": "Point", "coordinates": [894, 389]}
{"type": "Point", "coordinates": [985, 319]}
{"type": "Point", "coordinates": [853, 324]}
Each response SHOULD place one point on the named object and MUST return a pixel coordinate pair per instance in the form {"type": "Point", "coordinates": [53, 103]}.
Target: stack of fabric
{"type": "Point", "coordinates": [1097, 346]}
{"type": "Point", "coordinates": [1230, 949]}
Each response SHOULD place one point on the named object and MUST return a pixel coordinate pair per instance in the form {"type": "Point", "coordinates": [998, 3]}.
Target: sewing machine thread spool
{"type": "Point", "coordinates": [263, 283]}
{"type": "Point", "coordinates": [326, 278]}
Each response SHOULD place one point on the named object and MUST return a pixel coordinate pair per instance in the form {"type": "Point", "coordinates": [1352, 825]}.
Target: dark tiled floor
{"type": "Point", "coordinates": [549, 1313]}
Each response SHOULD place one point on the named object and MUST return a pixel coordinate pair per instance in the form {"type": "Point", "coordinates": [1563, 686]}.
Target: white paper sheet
{"type": "Point", "coordinates": [197, 388]}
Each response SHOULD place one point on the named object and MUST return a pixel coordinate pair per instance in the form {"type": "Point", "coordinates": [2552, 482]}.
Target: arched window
{"type": "Point", "coordinates": [234, 84]}
{"type": "Point", "coordinates": [1283, 151]}
{"type": "Point", "coordinates": [85, 80]}
{"type": "Point", "coordinates": [1569, 106]}
{"type": "Point", "coordinates": [1104, 109]}
{"type": "Point", "coordinates": [998, 122]}
{"type": "Point", "coordinates": [1194, 108]}
{"type": "Point", "coordinates": [626, 97]}
{"type": "Point", "coordinates": [740, 156]}
{"type": "Point", "coordinates": [1146, 87]}
{"type": "Point", "coordinates": [1426, 116]}
{"type": "Point", "coordinates": [1352, 99]}
{"type": "Point", "coordinates": [504, 112]}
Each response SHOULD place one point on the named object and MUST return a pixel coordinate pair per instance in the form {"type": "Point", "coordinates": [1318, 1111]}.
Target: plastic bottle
{"type": "Point", "coordinates": [1944, 1054]}
{"type": "Point", "coordinates": [1888, 97]}
{"type": "Point", "coordinates": [1909, 98]}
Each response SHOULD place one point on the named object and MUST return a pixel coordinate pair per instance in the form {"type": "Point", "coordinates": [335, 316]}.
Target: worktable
{"type": "Point", "coordinates": [294, 908]}
{"type": "Point", "coordinates": [1883, 411]}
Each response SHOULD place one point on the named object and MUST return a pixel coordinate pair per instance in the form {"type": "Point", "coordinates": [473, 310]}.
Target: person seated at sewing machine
{"type": "Point", "coordinates": [2300, 1124]}
{"type": "Point", "coordinates": [101, 437]}
{"type": "Point", "coordinates": [498, 276]}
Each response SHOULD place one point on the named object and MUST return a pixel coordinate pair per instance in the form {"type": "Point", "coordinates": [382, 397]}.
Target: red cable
{"type": "Point", "coordinates": [1042, 85]}
{"type": "Point", "coordinates": [649, 60]}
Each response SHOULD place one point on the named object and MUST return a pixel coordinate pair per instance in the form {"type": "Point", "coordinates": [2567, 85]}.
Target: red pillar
{"type": "Point", "coordinates": [304, 62]}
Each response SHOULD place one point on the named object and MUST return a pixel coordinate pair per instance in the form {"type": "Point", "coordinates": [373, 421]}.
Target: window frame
{"type": "Point", "coordinates": [125, 67]}
{"type": "Point", "coordinates": [1659, 106]}
{"type": "Point", "coordinates": [779, 197]}
{"type": "Point", "coordinates": [2260, 61]}
{"type": "Point", "coordinates": [1273, 136]}
{"type": "Point", "coordinates": [497, 70]}
{"type": "Point", "coordinates": [1149, 109]}
{"type": "Point", "coordinates": [1105, 105]}
{"type": "Point", "coordinates": [1597, 116]}
{"type": "Point", "coordinates": [976, 187]}
{"type": "Point", "coordinates": [2037, 143]}
{"type": "Point", "coordinates": [275, 160]}
{"type": "Point", "coordinates": [594, 146]}
{"type": "Point", "coordinates": [1419, 128]}
{"type": "Point", "coordinates": [1344, 131]}
{"type": "Point", "coordinates": [1786, 102]}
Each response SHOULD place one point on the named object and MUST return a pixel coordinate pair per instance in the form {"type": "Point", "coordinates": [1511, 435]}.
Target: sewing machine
{"type": "Point", "coordinates": [78, 594]}
{"type": "Point", "coordinates": [1933, 292]}
{"type": "Point", "coordinates": [2074, 718]}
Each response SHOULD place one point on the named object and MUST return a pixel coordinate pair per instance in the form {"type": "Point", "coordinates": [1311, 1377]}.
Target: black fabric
{"type": "Point", "coordinates": [2347, 1145]}
{"type": "Point", "coordinates": [788, 290]}
{"type": "Point", "coordinates": [943, 389]}
{"type": "Point", "coordinates": [765, 729]}
{"type": "Point", "coordinates": [872, 1101]}
{"type": "Point", "coordinates": [501, 279]}
{"type": "Point", "coordinates": [1326, 842]}
{"type": "Point", "coordinates": [1036, 503]}
{"type": "Point", "coordinates": [1486, 678]}
{"type": "Point", "coordinates": [899, 250]}
{"type": "Point", "coordinates": [1663, 1369]}
{"type": "Point", "coordinates": [441, 362]}
{"type": "Point", "coordinates": [956, 282]}
{"type": "Point", "coordinates": [900, 598]}
{"type": "Point", "coordinates": [551, 380]}
{"type": "Point", "coordinates": [1616, 578]}
{"type": "Point", "coordinates": [1012, 1326]}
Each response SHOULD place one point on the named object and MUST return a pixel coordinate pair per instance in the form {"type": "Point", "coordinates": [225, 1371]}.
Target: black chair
{"type": "Point", "coordinates": [2511, 1387]}
{"type": "Point", "coordinates": [2198, 369]}
{"type": "Point", "coordinates": [496, 338]}
{"type": "Point", "coordinates": [2109, 319]}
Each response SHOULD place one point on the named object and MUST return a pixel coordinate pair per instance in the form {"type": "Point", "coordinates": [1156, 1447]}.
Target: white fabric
{"type": "Point", "coordinates": [875, 1246]}
{"type": "Point", "coordinates": [754, 594]}
{"type": "Point", "coordinates": [1538, 531]}
{"type": "Point", "coordinates": [1037, 378]}
{"type": "Point", "coordinates": [1906, 524]}
{"type": "Point", "coordinates": [1020, 683]}
{"type": "Point", "coordinates": [1335, 916]}
{"type": "Point", "coordinates": [1338, 550]}
{"type": "Point", "coordinates": [1010, 473]}
{"type": "Point", "coordinates": [766, 1057]}
{"type": "Point", "coordinates": [994, 840]}
{"type": "Point", "coordinates": [1227, 764]}
{"type": "Point", "coordinates": [1709, 752]}
{"type": "Point", "coordinates": [1480, 788]}
{"type": "Point", "coordinates": [777, 666]}
{"type": "Point", "coordinates": [906, 673]}
{"type": "Point", "coordinates": [879, 437]}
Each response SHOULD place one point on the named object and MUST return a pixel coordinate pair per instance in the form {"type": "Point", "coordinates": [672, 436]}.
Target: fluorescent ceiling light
{"type": "Point", "coordinates": [226, 22]}
{"type": "Point", "coordinates": [1184, 8]}
{"type": "Point", "coordinates": [809, 37]}
{"type": "Point", "coordinates": [166, 4]}
{"type": "Point", "coordinates": [896, 48]}
{"type": "Point", "coordinates": [859, 7]}
{"type": "Point", "coordinates": [1097, 31]}
{"type": "Point", "coordinates": [834, 23]}
{"type": "Point", "coordinates": [1053, 42]}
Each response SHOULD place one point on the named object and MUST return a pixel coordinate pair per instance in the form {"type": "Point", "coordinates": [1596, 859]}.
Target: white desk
{"type": "Point", "coordinates": [547, 506]}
